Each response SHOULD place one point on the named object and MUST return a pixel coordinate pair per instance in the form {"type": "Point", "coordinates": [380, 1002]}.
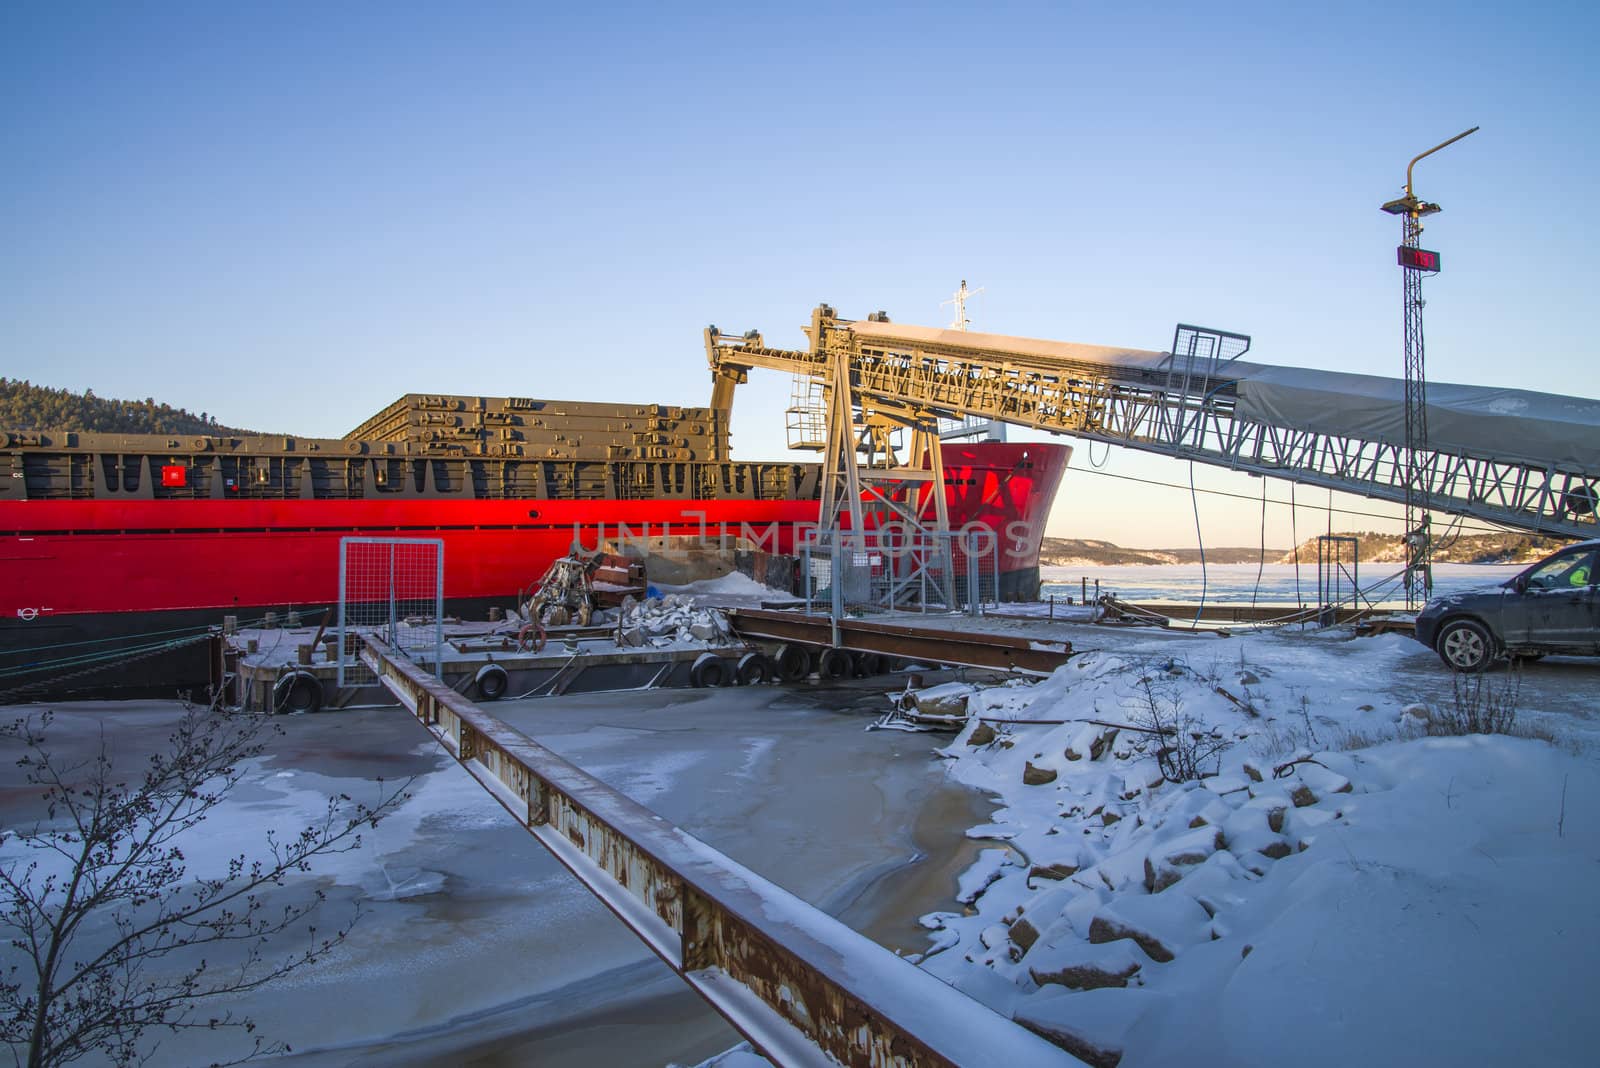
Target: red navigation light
{"type": "Point", "coordinates": [174, 475]}
{"type": "Point", "coordinates": [1417, 259]}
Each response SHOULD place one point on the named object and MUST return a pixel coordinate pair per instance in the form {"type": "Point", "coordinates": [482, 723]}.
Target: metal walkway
{"type": "Point", "coordinates": [932, 645]}
{"type": "Point", "coordinates": [1536, 471]}
{"type": "Point", "coordinates": [801, 986]}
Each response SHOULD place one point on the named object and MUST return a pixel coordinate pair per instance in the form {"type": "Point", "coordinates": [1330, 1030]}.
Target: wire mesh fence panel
{"type": "Point", "coordinates": [975, 557]}
{"type": "Point", "coordinates": [902, 569]}
{"type": "Point", "coordinates": [393, 587]}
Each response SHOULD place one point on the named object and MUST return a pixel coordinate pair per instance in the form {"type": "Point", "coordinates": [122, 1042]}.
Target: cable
{"type": "Point", "coordinates": [1489, 526]}
{"type": "Point", "coordinates": [1201, 541]}
{"type": "Point", "coordinates": [1294, 533]}
{"type": "Point", "coordinates": [1261, 561]}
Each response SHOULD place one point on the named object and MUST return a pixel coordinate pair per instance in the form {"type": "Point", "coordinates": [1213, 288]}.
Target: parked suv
{"type": "Point", "coordinates": [1553, 607]}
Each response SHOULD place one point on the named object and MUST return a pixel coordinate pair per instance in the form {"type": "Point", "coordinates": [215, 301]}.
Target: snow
{"type": "Point", "coordinates": [734, 589]}
{"type": "Point", "coordinates": [1338, 889]}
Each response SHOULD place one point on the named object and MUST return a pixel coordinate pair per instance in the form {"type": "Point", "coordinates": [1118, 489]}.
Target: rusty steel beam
{"type": "Point", "coordinates": [1006, 652]}
{"type": "Point", "coordinates": [801, 986]}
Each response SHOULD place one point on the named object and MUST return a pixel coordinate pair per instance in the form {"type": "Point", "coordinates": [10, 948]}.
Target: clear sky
{"type": "Point", "coordinates": [287, 215]}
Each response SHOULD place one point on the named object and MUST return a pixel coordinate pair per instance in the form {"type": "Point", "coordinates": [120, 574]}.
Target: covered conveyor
{"type": "Point", "coordinates": [1515, 457]}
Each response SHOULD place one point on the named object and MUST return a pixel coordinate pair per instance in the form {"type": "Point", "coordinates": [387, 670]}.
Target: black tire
{"type": "Point", "coordinates": [755, 669]}
{"type": "Point", "coordinates": [492, 683]}
{"type": "Point", "coordinates": [709, 670]}
{"type": "Point", "coordinates": [835, 664]}
{"type": "Point", "coordinates": [794, 663]}
{"type": "Point", "coordinates": [297, 693]}
{"type": "Point", "coordinates": [1466, 645]}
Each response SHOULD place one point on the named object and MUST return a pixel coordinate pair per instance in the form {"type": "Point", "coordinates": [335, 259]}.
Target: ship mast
{"type": "Point", "coordinates": [960, 301]}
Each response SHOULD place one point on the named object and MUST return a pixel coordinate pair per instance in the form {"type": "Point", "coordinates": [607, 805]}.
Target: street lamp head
{"type": "Point", "coordinates": [1410, 205]}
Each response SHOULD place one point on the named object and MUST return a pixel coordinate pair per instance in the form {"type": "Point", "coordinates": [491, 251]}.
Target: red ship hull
{"type": "Point", "coordinates": [88, 571]}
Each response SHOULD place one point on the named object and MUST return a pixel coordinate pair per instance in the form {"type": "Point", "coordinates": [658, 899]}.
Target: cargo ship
{"type": "Point", "coordinates": [118, 551]}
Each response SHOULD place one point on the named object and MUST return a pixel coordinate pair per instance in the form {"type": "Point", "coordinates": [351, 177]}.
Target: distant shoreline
{"type": "Point", "coordinates": [1372, 547]}
{"type": "Point", "coordinates": [1270, 563]}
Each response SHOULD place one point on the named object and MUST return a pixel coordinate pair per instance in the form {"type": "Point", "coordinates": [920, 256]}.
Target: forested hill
{"type": "Point", "coordinates": [25, 406]}
{"type": "Point", "coordinates": [1508, 547]}
{"type": "Point", "coordinates": [1080, 552]}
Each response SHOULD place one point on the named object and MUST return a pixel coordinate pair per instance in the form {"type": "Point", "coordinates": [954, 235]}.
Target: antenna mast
{"type": "Point", "coordinates": [960, 301]}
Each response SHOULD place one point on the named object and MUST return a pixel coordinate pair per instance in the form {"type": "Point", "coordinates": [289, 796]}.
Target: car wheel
{"type": "Point", "coordinates": [1466, 645]}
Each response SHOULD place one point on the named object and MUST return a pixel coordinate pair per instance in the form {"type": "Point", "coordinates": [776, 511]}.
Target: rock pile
{"type": "Point", "coordinates": [673, 619]}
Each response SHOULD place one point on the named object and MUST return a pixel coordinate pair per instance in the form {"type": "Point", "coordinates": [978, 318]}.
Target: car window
{"type": "Point", "coordinates": [1566, 570]}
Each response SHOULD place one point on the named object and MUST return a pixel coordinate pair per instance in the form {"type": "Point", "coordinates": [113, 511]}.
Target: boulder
{"type": "Point", "coordinates": [1052, 871]}
{"type": "Point", "coordinates": [1032, 776]}
{"type": "Point", "coordinates": [1085, 966]}
{"type": "Point", "coordinates": [982, 734]}
{"type": "Point", "coordinates": [1276, 849]}
{"type": "Point", "coordinates": [1323, 781]}
{"type": "Point", "coordinates": [1092, 1025]}
{"type": "Point", "coordinates": [1024, 934]}
{"type": "Point", "coordinates": [1162, 925]}
{"type": "Point", "coordinates": [1170, 861]}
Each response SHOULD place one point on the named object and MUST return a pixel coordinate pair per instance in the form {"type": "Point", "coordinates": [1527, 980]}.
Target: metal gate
{"type": "Point", "coordinates": [393, 587]}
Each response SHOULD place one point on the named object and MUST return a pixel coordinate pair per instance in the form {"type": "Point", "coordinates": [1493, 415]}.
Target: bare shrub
{"type": "Point", "coordinates": [1188, 748]}
{"type": "Point", "coordinates": [109, 939]}
{"type": "Point", "coordinates": [1478, 705]}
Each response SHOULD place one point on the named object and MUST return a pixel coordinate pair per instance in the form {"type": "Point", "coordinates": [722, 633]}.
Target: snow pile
{"type": "Point", "coordinates": [734, 583]}
{"type": "Point", "coordinates": [733, 590]}
{"type": "Point", "coordinates": [1327, 893]}
{"type": "Point", "coordinates": [674, 619]}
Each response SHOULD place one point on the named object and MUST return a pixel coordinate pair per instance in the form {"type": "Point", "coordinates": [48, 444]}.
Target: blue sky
{"type": "Point", "coordinates": [287, 215]}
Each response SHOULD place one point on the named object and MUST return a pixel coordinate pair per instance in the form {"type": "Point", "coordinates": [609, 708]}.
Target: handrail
{"type": "Point", "coordinates": [801, 986]}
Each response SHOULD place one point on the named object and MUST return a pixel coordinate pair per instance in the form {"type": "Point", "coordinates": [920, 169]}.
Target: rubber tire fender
{"type": "Point", "coordinates": [491, 683]}
{"type": "Point", "coordinates": [755, 669]}
{"type": "Point", "coordinates": [868, 664]}
{"type": "Point", "coordinates": [793, 661]}
{"type": "Point", "coordinates": [835, 663]}
{"type": "Point", "coordinates": [1465, 645]}
{"type": "Point", "coordinates": [708, 670]}
{"type": "Point", "coordinates": [297, 692]}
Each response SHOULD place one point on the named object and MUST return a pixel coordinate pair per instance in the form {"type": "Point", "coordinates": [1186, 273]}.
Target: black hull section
{"type": "Point", "coordinates": [1020, 585]}
{"type": "Point", "coordinates": [114, 656]}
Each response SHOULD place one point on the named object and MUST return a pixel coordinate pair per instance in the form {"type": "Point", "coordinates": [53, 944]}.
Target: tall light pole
{"type": "Point", "coordinates": [1416, 261]}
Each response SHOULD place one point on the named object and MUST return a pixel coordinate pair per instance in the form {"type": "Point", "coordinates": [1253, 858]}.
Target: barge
{"type": "Point", "coordinates": [118, 552]}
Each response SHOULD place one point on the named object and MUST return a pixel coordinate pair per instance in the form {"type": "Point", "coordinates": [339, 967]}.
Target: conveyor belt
{"type": "Point", "coordinates": [1526, 460]}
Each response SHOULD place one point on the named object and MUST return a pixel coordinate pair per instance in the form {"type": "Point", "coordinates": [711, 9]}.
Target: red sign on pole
{"type": "Point", "coordinates": [1418, 259]}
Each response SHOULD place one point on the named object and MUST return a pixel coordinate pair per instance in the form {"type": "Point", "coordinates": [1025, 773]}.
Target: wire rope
{"type": "Point", "coordinates": [1294, 534]}
{"type": "Point", "coordinates": [1261, 560]}
{"type": "Point", "coordinates": [1482, 526]}
{"type": "Point", "coordinates": [1199, 538]}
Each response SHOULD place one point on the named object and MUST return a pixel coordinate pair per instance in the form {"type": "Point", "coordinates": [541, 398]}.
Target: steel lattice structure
{"type": "Point", "coordinates": [1186, 411]}
{"type": "Point", "coordinates": [1419, 574]}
